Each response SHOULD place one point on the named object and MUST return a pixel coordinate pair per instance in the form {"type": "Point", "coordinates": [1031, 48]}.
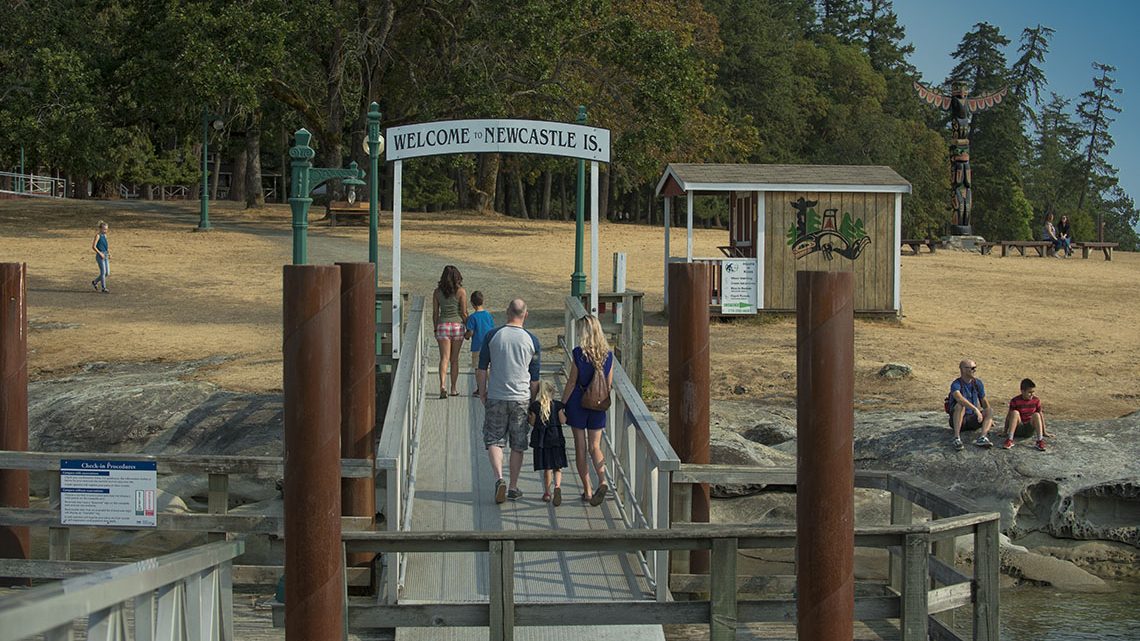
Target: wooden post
{"type": "Point", "coordinates": [311, 349]}
{"type": "Point", "coordinates": [218, 501]}
{"type": "Point", "coordinates": [825, 465]}
{"type": "Point", "coordinates": [986, 567]}
{"type": "Point", "coordinates": [689, 382]}
{"type": "Point", "coordinates": [619, 288]}
{"type": "Point", "coordinates": [913, 611]}
{"type": "Point", "coordinates": [680, 511]}
{"type": "Point", "coordinates": [944, 550]}
{"type": "Point", "coordinates": [502, 597]}
{"type": "Point", "coordinates": [15, 542]}
{"type": "Point", "coordinates": [902, 513]}
{"type": "Point", "coordinates": [722, 623]}
{"type": "Point", "coordinates": [59, 544]}
{"type": "Point", "coordinates": [358, 391]}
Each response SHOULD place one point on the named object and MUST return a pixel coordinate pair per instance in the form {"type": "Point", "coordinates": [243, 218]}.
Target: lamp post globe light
{"type": "Point", "coordinates": [305, 178]}
{"type": "Point", "coordinates": [204, 208]}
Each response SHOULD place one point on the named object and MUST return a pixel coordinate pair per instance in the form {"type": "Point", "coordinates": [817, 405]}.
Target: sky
{"type": "Point", "coordinates": [1087, 31]}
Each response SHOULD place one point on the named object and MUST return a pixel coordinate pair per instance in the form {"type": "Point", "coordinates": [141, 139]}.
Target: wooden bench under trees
{"type": "Point", "coordinates": [343, 210]}
{"type": "Point", "coordinates": [917, 244]}
{"type": "Point", "coordinates": [1044, 247]}
{"type": "Point", "coordinates": [1105, 247]}
{"type": "Point", "coordinates": [985, 246]}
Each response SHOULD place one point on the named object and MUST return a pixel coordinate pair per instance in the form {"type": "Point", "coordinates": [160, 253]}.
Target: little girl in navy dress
{"type": "Point", "coordinates": [546, 417]}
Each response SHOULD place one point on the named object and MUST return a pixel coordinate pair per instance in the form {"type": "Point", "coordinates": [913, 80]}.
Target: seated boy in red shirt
{"type": "Point", "coordinates": [1025, 409]}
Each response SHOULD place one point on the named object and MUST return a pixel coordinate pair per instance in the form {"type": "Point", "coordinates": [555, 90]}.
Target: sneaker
{"type": "Point", "coordinates": [983, 441]}
{"type": "Point", "coordinates": [1008, 444]}
{"type": "Point", "coordinates": [557, 500]}
{"type": "Point", "coordinates": [1041, 445]}
{"type": "Point", "coordinates": [95, 285]}
{"type": "Point", "coordinates": [500, 491]}
{"type": "Point", "coordinates": [514, 494]}
{"type": "Point", "coordinates": [957, 443]}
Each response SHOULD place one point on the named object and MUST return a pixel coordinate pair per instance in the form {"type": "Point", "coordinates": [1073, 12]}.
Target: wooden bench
{"type": "Point", "coordinates": [1105, 247]}
{"type": "Point", "coordinates": [1044, 248]}
{"type": "Point", "coordinates": [345, 210]}
{"type": "Point", "coordinates": [916, 244]}
{"type": "Point", "coordinates": [985, 246]}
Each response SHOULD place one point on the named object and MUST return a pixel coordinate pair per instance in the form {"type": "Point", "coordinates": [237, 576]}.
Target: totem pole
{"type": "Point", "coordinates": [962, 108]}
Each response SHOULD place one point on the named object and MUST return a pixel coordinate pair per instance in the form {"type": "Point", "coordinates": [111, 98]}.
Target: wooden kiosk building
{"type": "Point", "coordinates": [787, 218]}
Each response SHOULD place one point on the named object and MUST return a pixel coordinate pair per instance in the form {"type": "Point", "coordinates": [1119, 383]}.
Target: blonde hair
{"type": "Point", "coordinates": [543, 398]}
{"type": "Point", "coordinates": [592, 340]}
{"type": "Point", "coordinates": [102, 224]}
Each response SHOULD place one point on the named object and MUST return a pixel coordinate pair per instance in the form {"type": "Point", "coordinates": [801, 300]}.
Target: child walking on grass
{"type": "Point", "coordinates": [546, 416]}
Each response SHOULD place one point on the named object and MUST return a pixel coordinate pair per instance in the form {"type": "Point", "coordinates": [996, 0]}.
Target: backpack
{"type": "Point", "coordinates": [948, 404]}
{"type": "Point", "coordinates": [597, 394]}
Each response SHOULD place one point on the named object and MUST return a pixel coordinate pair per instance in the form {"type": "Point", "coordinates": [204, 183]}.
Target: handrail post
{"type": "Point", "coordinates": [916, 572]}
{"type": "Point", "coordinates": [218, 502]}
{"type": "Point", "coordinates": [722, 618]}
{"type": "Point", "coordinates": [986, 567]}
{"type": "Point", "coordinates": [902, 513]}
{"type": "Point", "coordinates": [502, 597]}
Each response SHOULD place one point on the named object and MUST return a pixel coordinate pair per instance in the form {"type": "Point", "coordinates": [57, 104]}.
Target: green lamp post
{"type": "Point", "coordinates": [374, 147]}
{"type": "Point", "coordinates": [578, 279]}
{"type": "Point", "coordinates": [204, 206]}
{"type": "Point", "coordinates": [305, 178]}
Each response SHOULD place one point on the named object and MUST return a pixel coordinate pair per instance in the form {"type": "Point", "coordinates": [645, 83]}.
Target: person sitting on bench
{"type": "Point", "coordinates": [1049, 233]}
{"type": "Point", "coordinates": [1065, 233]}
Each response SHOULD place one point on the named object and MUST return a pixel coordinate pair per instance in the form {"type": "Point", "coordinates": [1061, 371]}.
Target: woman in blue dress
{"type": "Point", "coordinates": [593, 354]}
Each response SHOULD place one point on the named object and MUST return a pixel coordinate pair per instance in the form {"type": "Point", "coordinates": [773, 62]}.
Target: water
{"type": "Point", "coordinates": [1045, 614]}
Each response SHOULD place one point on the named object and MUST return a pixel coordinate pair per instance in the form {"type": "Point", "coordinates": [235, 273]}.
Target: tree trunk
{"type": "Point", "coordinates": [562, 196]}
{"type": "Point", "coordinates": [547, 179]}
{"type": "Point", "coordinates": [522, 195]}
{"type": "Point", "coordinates": [254, 194]}
{"type": "Point", "coordinates": [502, 204]}
{"type": "Point", "coordinates": [237, 175]}
{"type": "Point", "coordinates": [486, 182]}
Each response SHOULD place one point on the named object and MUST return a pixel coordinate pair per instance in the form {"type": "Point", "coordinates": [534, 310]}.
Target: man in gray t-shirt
{"type": "Point", "coordinates": [515, 354]}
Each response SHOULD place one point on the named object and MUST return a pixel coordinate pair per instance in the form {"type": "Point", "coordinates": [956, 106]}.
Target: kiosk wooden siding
{"type": "Point", "coordinates": [874, 269]}
{"type": "Point", "coordinates": [761, 202]}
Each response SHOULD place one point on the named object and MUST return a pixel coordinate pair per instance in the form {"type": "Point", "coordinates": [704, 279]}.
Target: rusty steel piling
{"type": "Point", "coordinates": [825, 468]}
{"type": "Point", "coordinates": [358, 390]}
{"type": "Point", "coordinates": [15, 542]}
{"type": "Point", "coordinates": [314, 571]}
{"type": "Point", "coordinates": [689, 382]}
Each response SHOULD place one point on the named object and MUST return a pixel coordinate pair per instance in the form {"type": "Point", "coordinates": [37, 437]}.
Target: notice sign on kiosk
{"type": "Point", "coordinates": [738, 286]}
{"type": "Point", "coordinates": [108, 493]}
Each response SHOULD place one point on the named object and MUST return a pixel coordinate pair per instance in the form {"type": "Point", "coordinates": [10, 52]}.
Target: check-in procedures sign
{"type": "Point", "coordinates": [108, 493]}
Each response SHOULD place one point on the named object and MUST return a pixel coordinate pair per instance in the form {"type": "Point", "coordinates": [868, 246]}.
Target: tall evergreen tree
{"type": "Point", "coordinates": [840, 18]}
{"type": "Point", "coordinates": [883, 36]}
{"type": "Point", "coordinates": [1095, 113]}
{"type": "Point", "coordinates": [1027, 75]}
{"type": "Point", "coordinates": [1051, 180]}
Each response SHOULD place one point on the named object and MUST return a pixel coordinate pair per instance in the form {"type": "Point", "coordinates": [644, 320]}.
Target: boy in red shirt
{"type": "Point", "coordinates": [1025, 409]}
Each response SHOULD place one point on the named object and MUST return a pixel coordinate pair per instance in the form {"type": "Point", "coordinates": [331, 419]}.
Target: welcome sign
{"type": "Point", "coordinates": [497, 136]}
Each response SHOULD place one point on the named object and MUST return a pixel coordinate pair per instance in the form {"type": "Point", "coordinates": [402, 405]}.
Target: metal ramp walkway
{"type": "Point", "coordinates": [454, 492]}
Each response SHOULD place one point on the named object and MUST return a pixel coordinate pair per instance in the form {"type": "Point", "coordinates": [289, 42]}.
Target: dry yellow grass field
{"type": "Point", "coordinates": [1070, 324]}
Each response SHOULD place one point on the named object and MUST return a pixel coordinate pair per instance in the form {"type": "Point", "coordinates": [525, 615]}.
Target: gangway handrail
{"type": "Point", "coordinates": [35, 185]}
{"type": "Point", "coordinates": [397, 452]}
{"type": "Point", "coordinates": [640, 459]}
{"type": "Point", "coordinates": [194, 594]}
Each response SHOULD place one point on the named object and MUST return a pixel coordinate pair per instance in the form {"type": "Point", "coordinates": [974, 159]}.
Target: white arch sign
{"type": "Point", "coordinates": [492, 136]}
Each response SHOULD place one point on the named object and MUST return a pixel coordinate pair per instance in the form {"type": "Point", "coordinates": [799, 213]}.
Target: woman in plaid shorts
{"type": "Point", "coordinates": [448, 313]}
